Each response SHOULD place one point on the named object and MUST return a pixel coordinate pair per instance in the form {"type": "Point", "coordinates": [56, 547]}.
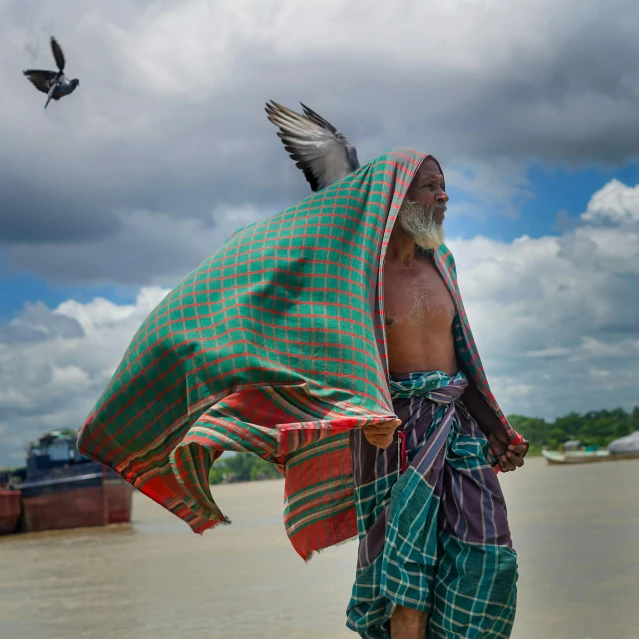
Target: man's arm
{"type": "Point", "coordinates": [510, 456]}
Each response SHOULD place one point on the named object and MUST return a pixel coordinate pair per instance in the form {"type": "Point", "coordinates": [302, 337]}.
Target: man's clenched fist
{"type": "Point", "coordinates": [381, 435]}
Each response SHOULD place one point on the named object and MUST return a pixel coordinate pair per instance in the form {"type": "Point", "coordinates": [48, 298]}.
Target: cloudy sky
{"type": "Point", "coordinates": [109, 197]}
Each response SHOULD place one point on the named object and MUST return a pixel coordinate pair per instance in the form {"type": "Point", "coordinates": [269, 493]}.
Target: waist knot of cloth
{"type": "Point", "coordinates": [434, 385]}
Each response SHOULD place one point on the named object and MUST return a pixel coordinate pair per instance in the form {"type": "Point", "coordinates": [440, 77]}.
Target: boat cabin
{"type": "Point", "coordinates": [571, 445]}
{"type": "Point", "coordinates": [56, 449]}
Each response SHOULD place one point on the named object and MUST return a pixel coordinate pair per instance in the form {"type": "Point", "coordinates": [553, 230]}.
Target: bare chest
{"type": "Point", "coordinates": [417, 296]}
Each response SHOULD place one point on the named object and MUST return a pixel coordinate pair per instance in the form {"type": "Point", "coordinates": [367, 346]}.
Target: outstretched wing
{"type": "Point", "coordinates": [57, 53]}
{"type": "Point", "coordinates": [41, 80]}
{"type": "Point", "coordinates": [322, 153]}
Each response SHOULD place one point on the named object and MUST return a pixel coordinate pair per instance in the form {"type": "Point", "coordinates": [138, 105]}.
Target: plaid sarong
{"type": "Point", "coordinates": [275, 345]}
{"type": "Point", "coordinates": [434, 538]}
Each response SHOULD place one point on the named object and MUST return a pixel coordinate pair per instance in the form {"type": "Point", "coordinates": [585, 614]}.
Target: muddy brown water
{"type": "Point", "coordinates": [576, 530]}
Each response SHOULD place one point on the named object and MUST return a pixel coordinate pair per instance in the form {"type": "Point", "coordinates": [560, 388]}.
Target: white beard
{"type": "Point", "coordinates": [421, 225]}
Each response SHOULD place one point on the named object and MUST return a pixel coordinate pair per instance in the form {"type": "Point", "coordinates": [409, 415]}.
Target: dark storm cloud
{"type": "Point", "coordinates": [33, 212]}
{"type": "Point", "coordinates": [178, 129]}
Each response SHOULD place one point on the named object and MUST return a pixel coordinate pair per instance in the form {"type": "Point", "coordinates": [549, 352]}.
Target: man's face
{"type": "Point", "coordinates": [423, 209]}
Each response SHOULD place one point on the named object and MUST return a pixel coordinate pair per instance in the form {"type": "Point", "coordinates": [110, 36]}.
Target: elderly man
{"type": "Point", "coordinates": [332, 341]}
{"type": "Point", "coordinates": [434, 539]}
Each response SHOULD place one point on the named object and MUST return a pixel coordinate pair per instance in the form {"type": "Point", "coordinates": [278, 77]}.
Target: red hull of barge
{"type": "Point", "coordinates": [109, 503]}
{"type": "Point", "coordinates": [10, 509]}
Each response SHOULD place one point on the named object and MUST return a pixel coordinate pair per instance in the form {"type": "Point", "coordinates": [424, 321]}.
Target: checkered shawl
{"type": "Point", "coordinates": [275, 345]}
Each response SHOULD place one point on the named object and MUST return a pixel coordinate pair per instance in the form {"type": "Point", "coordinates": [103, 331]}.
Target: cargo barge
{"type": "Point", "coordinates": [60, 488]}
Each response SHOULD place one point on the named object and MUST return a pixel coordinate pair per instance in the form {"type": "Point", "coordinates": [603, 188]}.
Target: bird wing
{"type": "Point", "coordinates": [57, 53]}
{"type": "Point", "coordinates": [41, 80]}
{"type": "Point", "coordinates": [322, 153]}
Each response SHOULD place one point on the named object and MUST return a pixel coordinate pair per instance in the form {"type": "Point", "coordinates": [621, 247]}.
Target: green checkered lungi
{"type": "Point", "coordinates": [433, 535]}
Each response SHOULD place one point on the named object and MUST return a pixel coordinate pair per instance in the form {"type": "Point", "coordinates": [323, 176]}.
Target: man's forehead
{"type": "Point", "coordinates": [429, 169]}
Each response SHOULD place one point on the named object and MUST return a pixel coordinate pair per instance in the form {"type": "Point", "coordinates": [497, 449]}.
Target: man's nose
{"type": "Point", "coordinates": [442, 197]}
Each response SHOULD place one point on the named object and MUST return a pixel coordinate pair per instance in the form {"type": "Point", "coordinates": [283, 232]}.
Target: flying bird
{"type": "Point", "coordinates": [54, 83]}
{"type": "Point", "coordinates": [322, 153]}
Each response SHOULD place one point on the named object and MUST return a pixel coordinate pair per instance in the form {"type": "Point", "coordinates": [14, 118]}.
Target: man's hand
{"type": "Point", "coordinates": [381, 435]}
{"type": "Point", "coordinates": [515, 455]}
{"type": "Point", "coordinates": [510, 457]}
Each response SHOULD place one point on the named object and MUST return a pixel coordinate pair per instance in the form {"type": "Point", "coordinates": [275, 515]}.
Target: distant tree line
{"type": "Point", "coordinates": [594, 428]}
{"type": "Point", "coordinates": [242, 467]}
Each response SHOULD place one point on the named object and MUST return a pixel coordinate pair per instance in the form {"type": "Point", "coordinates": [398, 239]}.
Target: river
{"type": "Point", "coordinates": [576, 530]}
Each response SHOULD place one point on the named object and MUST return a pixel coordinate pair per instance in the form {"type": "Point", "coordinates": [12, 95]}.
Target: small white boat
{"type": "Point", "coordinates": [576, 456]}
{"type": "Point", "coordinates": [623, 448]}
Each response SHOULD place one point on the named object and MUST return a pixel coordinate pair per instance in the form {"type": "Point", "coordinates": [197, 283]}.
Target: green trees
{"type": "Point", "coordinates": [242, 467]}
{"type": "Point", "coordinates": [593, 428]}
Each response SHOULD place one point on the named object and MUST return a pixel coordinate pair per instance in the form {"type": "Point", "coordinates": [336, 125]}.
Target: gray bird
{"type": "Point", "coordinates": [54, 83]}
{"type": "Point", "coordinates": [322, 153]}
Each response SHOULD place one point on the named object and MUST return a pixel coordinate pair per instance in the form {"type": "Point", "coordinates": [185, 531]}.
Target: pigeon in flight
{"type": "Point", "coordinates": [54, 83]}
{"type": "Point", "coordinates": [322, 153]}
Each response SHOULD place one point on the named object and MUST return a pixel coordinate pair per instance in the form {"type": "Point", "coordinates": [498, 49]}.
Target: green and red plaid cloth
{"type": "Point", "coordinates": [274, 345]}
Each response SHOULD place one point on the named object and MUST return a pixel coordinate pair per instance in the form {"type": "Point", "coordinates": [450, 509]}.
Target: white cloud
{"type": "Point", "coordinates": [52, 376]}
{"type": "Point", "coordinates": [490, 187]}
{"type": "Point", "coordinates": [556, 320]}
{"type": "Point", "coordinates": [615, 203]}
{"type": "Point", "coordinates": [170, 52]}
